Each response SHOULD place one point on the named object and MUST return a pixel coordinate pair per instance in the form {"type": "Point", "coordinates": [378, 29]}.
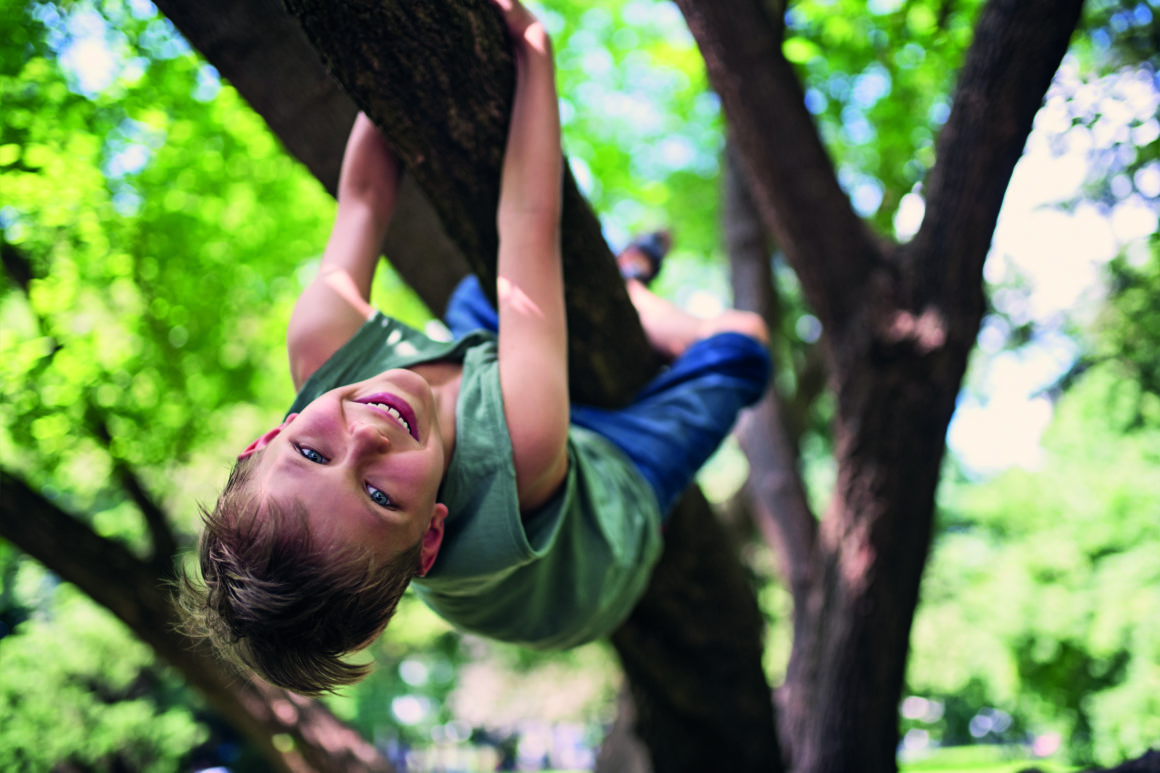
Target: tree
{"type": "Point", "coordinates": [898, 321]}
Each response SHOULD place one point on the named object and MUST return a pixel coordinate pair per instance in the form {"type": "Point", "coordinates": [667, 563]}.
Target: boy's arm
{"type": "Point", "coordinates": [337, 302]}
{"type": "Point", "coordinates": [533, 357]}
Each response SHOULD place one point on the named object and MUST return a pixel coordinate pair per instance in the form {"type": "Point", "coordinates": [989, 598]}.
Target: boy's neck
{"type": "Point", "coordinates": [444, 379]}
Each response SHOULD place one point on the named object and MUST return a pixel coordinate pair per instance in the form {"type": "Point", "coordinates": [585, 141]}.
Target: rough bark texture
{"type": "Point", "coordinates": [899, 324]}
{"type": "Point", "coordinates": [692, 653]}
{"type": "Point", "coordinates": [437, 78]}
{"type": "Point", "coordinates": [261, 50]}
{"type": "Point", "coordinates": [135, 592]}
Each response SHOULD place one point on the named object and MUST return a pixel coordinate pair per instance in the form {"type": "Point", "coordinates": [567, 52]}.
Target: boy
{"type": "Point", "coordinates": [460, 464]}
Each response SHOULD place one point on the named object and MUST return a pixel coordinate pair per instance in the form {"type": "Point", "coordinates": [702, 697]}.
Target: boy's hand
{"type": "Point", "coordinates": [520, 20]}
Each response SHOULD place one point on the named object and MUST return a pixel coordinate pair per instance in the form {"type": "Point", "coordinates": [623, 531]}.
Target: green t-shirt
{"type": "Point", "coordinates": [565, 576]}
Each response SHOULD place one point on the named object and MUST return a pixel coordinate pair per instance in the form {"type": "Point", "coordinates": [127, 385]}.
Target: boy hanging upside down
{"type": "Point", "coordinates": [460, 464]}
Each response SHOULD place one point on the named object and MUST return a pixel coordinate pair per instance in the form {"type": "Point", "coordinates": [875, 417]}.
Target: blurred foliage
{"type": "Point", "coordinates": [137, 250]}
{"type": "Point", "coordinates": [1041, 594]}
{"type": "Point", "coordinates": [1128, 330]}
{"type": "Point", "coordinates": [878, 80]}
{"type": "Point", "coordinates": [151, 231]}
{"type": "Point", "coordinates": [101, 706]}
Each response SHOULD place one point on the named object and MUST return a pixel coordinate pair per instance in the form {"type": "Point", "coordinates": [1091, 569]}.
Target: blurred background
{"type": "Point", "coordinates": [155, 236]}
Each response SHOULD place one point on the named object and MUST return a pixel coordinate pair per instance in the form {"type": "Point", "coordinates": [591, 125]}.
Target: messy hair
{"type": "Point", "coordinates": [274, 600]}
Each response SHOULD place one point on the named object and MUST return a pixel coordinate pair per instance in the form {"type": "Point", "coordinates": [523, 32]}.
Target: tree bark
{"type": "Point", "coordinates": [898, 324]}
{"type": "Point", "coordinates": [437, 78]}
{"type": "Point", "coordinates": [134, 591]}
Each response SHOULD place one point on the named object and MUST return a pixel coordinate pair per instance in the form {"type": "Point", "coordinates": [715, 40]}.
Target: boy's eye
{"type": "Point", "coordinates": [378, 497]}
{"type": "Point", "coordinates": [312, 455]}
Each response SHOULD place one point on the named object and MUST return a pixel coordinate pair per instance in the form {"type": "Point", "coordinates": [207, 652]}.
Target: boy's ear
{"type": "Point", "coordinates": [432, 539]}
{"type": "Point", "coordinates": [264, 440]}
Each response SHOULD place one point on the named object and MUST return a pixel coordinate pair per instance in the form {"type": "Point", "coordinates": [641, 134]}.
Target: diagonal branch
{"type": "Point", "coordinates": [788, 170]}
{"type": "Point", "coordinates": [164, 545]}
{"type": "Point", "coordinates": [162, 540]}
{"type": "Point", "coordinates": [1018, 46]}
{"type": "Point", "coordinates": [136, 593]}
{"type": "Point", "coordinates": [436, 76]}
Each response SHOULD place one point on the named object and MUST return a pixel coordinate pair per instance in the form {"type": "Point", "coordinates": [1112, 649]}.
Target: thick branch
{"type": "Point", "coordinates": [789, 173]}
{"type": "Point", "coordinates": [261, 50]}
{"type": "Point", "coordinates": [692, 652]}
{"type": "Point", "coordinates": [437, 77]}
{"type": "Point", "coordinates": [1018, 46]}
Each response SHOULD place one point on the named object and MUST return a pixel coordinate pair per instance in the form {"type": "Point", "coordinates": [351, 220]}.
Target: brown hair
{"type": "Point", "coordinates": [272, 599]}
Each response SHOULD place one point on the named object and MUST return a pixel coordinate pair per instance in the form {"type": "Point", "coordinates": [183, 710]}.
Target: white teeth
{"type": "Point", "coordinates": [394, 413]}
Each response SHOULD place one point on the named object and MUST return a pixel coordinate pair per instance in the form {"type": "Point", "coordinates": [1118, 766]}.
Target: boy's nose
{"type": "Point", "coordinates": [366, 438]}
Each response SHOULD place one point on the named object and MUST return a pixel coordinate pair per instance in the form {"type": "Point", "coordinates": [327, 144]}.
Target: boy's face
{"type": "Point", "coordinates": [366, 461]}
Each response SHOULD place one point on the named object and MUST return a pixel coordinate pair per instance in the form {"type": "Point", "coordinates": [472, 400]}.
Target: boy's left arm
{"type": "Point", "coordinates": [337, 302]}
{"type": "Point", "coordinates": [533, 341]}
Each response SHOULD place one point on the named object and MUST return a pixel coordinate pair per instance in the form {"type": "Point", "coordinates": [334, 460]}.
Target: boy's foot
{"type": "Point", "coordinates": [641, 258]}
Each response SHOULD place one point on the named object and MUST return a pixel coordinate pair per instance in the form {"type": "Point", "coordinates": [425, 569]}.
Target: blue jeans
{"type": "Point", "coordinates": [679, 419]}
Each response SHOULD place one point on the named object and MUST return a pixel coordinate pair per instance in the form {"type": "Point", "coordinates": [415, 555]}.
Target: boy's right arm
{"type": "Point", "coordinates": [533, 342]}
{"type": "Point", "coordinates": [337, 302]}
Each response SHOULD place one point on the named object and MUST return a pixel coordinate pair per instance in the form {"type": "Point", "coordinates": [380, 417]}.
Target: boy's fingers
{"type": "Point", "coordinates": [518, 17]}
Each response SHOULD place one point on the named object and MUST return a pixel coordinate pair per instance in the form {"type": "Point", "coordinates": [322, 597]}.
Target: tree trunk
{"type": "Point", "coordinates": [132, 589]}
{"type": "Point", "coordinates": [898, 325]}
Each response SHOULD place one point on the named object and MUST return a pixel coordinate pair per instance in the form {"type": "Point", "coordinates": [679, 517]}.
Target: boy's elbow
{"type": "Point", "coordinates": [373, 196]}
{"type": "Point", "coordinates": [541, 462]}
{"type": "Point", "coordinates": [538, 484]}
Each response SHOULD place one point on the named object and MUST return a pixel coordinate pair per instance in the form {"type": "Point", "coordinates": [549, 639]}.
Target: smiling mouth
{"type": "Point", "coordinates": [396, 409]}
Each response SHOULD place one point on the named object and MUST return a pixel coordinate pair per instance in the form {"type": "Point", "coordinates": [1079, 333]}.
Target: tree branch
{"type": "Point", "coordinates": [1017, 49]}
{"type": "Point", "coordinates": [133, 590]}
{"type": "Point", "coordinates": [261, 50]}
{"type": "Point", "coordinates": [163, 541]}
{"type": "Point", "coordinates": [780, 508]}
{"type": "Point", "coordinates": [796, 191]}
{"type": "Point", "coordinates": [437, 75]}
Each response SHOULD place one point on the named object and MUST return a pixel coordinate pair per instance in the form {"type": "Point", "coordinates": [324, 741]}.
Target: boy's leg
{"type": "Point", "coordinates": [469, 309]}
{"type": "Point", "coordinates": [681, 417]}
{"type": "Point", "coordinates": [671, 330]}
